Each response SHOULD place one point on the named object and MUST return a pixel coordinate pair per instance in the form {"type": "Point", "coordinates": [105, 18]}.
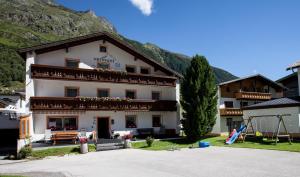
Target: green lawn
{"type": "Point", "coordinates": [10, 176]}
{"type": "Point", "coordinates": [218, 141]}
{"type": "Point", "coordinates": [60, 151]}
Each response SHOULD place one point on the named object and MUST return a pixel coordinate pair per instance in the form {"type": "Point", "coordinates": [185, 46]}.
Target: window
{"type": "Point", "coordinates": [103, 93]}
{"type": "Point", "coordinates": [130, 121]}
{"type": "Point", "coordinates": [155, 95]}
{"type": "Point", "coordinates": [130, 69]}
{"type": "Point", "coordinates": [156, 121]}
{"type": "Point", "coordinates": [145, 70]}
{"type": "Point", "coordinates": [71, 91]}
{"type": "Point", "coordinates": [72, 63]}
{"type": "Point", "coordinates": [62, 123]}
{"type": "Point", "coordinates": [228, 104]}
{"type": "Point", "coordinates": [130, 94]}
{"type": "Point", "coordinates": [103, 65]}
{"type": "Point", "coordinates": [103, 49]}
{"type": "Point", "coordinates": [227, 89]}
{"type": "Point", "coordinates": [243, 104]}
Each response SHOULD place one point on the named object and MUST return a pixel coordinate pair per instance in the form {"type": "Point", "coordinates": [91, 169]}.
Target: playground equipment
{"type": "Point", "coordinates": [275, 134]}
{"type": "Point", "coordinates": [235, 135]}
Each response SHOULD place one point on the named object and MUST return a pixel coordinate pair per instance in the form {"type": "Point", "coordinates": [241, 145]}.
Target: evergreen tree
{"type": "Point", "coordinates": [198, 98]}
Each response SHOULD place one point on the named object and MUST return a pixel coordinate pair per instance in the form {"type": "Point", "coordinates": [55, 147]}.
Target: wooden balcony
{"type": "Point", "coordinates": [96, 75]}
{"type": "Point", "coordinates": [253, 95]}
{"type": "Point", "coordinates": [80, 104]}
{"type": "Point", "coordinates": [231, 112]}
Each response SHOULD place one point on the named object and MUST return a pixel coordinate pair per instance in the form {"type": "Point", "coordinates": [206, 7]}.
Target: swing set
{"type": "Point", "coordinates": [249, 131]}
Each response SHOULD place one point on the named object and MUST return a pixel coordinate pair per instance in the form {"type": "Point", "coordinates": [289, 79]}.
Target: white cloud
{"type": "Point", "coordinates": [145, 6]}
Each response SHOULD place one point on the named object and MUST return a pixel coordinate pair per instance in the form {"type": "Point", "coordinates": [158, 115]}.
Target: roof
{"type": "Point", "coordinates": [274, 84]}
{"type": "Point", "coordinates": [106, 36]}
{"type": "Point", "coordinates": [276, 103]}
{"type": "Point", "coordinates": [287, 77]}
{"type": "Point", "coordinates": [294, 65]}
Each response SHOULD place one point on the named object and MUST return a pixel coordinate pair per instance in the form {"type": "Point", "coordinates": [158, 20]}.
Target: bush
{"type": "Point", "coordinates": [149, 141]}
{"type": "Point", "coordinates": [25, 152]}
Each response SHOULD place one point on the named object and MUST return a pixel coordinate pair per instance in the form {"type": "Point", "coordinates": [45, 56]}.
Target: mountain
{"type": "Point", "coordinates": [25, 23]}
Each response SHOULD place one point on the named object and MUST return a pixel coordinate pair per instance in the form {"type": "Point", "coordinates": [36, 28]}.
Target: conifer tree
{"type": "Point", "coordinates": [198, 98]}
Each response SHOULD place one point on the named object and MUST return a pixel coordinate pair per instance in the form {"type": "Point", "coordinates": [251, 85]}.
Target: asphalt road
{"type": "Point", "coordinates": [208, 162]}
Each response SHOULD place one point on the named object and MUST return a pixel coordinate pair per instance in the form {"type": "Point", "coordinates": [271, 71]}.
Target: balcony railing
{"type": "Point", "coordinates": [253, 95]}
{"type": "Point", "coordinates": [231, 112]}
{"type": "Point", "coordinates": [95, 75]}
{"type": "Point", "coordinates": [67, 103]}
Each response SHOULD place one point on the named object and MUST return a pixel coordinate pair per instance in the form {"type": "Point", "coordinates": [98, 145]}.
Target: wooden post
{"type": "Point", "coordinates": [278, 129]}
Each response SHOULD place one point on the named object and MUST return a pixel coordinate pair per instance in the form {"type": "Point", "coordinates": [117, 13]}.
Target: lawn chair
{"type": "Point", "coordinates": [48, 135]}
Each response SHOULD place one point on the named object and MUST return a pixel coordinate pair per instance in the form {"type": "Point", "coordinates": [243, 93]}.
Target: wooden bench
{"type": "Point", "coordinates": [64, 136]}
{"type": "Point", "coordinates": [145, 132]}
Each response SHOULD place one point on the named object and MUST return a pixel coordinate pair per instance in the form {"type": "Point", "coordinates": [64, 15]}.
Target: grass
{"type": "Point", "coordinates": [10, 176]}
{"type": "Point", "coordinates": [60, 151]}
{"type": "Point", "coordinates": [217, 141]}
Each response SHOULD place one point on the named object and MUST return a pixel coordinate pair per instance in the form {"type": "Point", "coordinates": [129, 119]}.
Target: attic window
{"type": "Point", "coordinates": [103, 49]}
{"type": "Point", "coordinates": [227, 89]}
{"type": "Point", "coordinates": [130, 69]}
{"type": "Point", "coordinates": [145, 70]}
{"type": "Point", "coordinates": [72, 63]}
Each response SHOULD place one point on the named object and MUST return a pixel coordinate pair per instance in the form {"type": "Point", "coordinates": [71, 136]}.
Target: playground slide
{"type": "Point", "coordinates": [231, 134]}
{"type": "Point", "coordinates": [236, 135]}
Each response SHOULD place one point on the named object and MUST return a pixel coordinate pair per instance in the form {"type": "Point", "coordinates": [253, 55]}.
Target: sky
{"type": "Point", "coordinates": [244, 37]}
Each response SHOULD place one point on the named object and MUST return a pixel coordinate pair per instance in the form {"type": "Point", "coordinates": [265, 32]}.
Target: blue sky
{"type": "Point", "coordinates": [241, 36]}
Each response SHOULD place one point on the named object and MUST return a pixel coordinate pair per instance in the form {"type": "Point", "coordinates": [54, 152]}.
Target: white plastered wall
{"type": "Point", "coordinates": [87, 120]}
{"type": "Point", "coordinates": [269, 124]}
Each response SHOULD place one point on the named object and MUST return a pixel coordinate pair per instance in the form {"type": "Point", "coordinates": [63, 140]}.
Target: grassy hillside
{"type": "Point", "coordinates": [25, 23]}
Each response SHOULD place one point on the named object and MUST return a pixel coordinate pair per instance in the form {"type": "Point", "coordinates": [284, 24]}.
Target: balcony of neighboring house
{"type": "Point", "coordinates": [253, 95]}
{"type": "Point", "coordinates": [98, 75]}
{"type": "Point", "coordinates": [94, 103]}
{"type": "Point", "coordinates": [231, 112]}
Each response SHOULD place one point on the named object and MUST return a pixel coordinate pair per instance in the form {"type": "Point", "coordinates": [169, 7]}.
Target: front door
{"type": "Point", "coordinates": [103, 127]}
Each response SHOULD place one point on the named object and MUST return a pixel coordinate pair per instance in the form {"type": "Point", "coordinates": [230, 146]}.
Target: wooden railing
{"type": "Point", "coordinates": [253, 95]}
{"type": "Point", "coordinates": [231, 112]}
{"type": "Point", "coordinates": [95, 75]}
{"type": "Point", "coordinates": [67, 103]}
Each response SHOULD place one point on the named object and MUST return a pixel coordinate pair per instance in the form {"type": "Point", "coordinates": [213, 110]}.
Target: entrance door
{"type": "Point", "coordinates": [103, 127]}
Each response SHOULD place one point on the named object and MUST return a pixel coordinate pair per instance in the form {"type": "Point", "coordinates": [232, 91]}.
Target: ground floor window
{"type": "Point", "coordinates": [156, 121]}
{"type": "Point", "coordinates": [62, 123]}
{"type": "Point", "coordinates": [130, 121]}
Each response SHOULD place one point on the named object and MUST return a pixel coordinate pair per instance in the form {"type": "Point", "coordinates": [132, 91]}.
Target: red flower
{"type": "Point", "coordinates": [83, 140]}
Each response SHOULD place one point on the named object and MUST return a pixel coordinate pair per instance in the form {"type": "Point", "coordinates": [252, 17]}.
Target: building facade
{"type": "Point", "coordinates": [236, 94]}
{"type": "Point", "coordinates": [100, 84]}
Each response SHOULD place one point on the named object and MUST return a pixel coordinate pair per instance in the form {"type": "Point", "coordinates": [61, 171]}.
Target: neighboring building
{"type": "Point", "coordinates": [289, 105]}
{"type": "Point", "coordinates": [12, 112]}
{"type": "Point", "coordinates": [12, 106]}
{"type": "Point", "coordinates": [291, 83]}
{"type": "Point", "coordinates": [98, 83]}
{"type": "Point", "coordinates": [236, 94]}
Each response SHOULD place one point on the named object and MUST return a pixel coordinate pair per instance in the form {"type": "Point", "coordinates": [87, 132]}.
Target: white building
{"type": "Point", "coordinates": [236, 94]}
{"type": "Point", "coordinates": [98, 83]}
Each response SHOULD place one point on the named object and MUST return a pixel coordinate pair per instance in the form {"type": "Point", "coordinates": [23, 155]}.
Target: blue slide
{"type": "Point", "coordinates": [236, 135]}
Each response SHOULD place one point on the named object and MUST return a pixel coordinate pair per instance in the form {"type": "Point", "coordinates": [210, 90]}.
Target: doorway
{"type": "Point", "coordinates": [103, 128]}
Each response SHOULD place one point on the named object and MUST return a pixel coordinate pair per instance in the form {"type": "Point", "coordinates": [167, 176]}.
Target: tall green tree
{"type": "Point", "coordinates": [199, 98]}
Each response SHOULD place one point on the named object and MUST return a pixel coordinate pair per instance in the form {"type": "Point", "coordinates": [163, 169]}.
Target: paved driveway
{"type": "Point", "coordinates": [209, 162]}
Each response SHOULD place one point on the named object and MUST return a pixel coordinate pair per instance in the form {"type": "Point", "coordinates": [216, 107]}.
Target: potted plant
{"type": "Point", "coordinates": [83, 145]}
{"type": "Point", "coordinates": [127, 139]}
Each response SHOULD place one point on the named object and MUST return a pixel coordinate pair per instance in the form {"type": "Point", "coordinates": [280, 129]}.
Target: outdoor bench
{"type": "Point", "coordinates": [64, 136]}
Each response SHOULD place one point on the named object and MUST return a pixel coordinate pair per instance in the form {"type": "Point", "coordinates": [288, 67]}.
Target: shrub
{"type": "Point", "coordinates": [25, 152]}
{"type": "Point", "coordinates": [149, 141]}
